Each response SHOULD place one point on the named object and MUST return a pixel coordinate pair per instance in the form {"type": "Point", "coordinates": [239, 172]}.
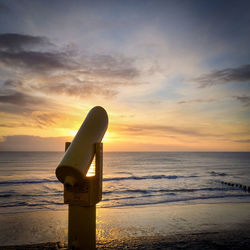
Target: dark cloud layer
{"type": "Point", "coordinates": [240, 74]}
{"type": "Point", "coordinates": [100, 74]}
{"type": "Point", "coordinates": [19, 98]}
{"type": "Point", "coordinates": [31, 53]}
{"type": "Point", "coordinates": [36, 61]}
{"type": "Point", "coordinates": [197, 101]}
{"type": "Point", "coordinates": [20, 110]}
{"type": "Point", "coordinates": [243, 141]}
{"type": "Point", "coordinates": [12, 83]}
{"type": "Point", "coordinates": [16, 42]}
{"type": "Point", "coordinates": [245, 100]}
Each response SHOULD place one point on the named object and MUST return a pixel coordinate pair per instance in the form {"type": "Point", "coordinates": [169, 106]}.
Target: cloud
{"type": "Point", "coordinates": [15, 125]}
{"type": "Point", "coordinates": [110, 66]}
{"type": "Point", "coordinates": [17, 42]}
{"type": "Point", "coordinates": [31, 53]}
{"type": "Point", "coordinates": [96, 75]}
{"type": "Point", "coordinates": [162, 131]}
{"type": "Point", "coordinates": [14, 100]}
{"type": "Point", "coordinates": [15, 52]}
{"type": "Point", "coordinates": [245, 100]}
{"type": "Point", "coordinates": [19, 98]}
{"type": "Point", "coordinates": [240, 74]}
{"type": "Point", "coordinates": [84, 89]}
{"type": "Point", "coordinates": [19, 110]}
{"type": "Point", "coordinates": [37, 61]}
{"type": "Point", "coordinates": [4, 9]}
{"type": "Point", "coordinates": [61, 72]}
{"type": "Point", "coordinates": [46, 119]}
{"type": "Point", "coordinates": [197, 101]}
{"type": "Point", "coordinates": [53, 118]}
{"type": "Point", "coordinates": [33, 143]}
{"type": "Point", "coordinates": [40, 110]}
{"type": "Point", "coordinates": [243, 141]}
{"type": "Point", "coordinates": [9, 84]}
{"type": "Point", "coordinates": [36, 117]}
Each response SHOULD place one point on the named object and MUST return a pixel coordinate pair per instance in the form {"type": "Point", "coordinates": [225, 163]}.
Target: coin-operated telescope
{"type": "Point", "coordinates": [83, 192]}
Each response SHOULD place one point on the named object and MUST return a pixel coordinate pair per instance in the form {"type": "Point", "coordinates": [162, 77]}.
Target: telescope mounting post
{"type": "Point", "coordinates": [82, 199]}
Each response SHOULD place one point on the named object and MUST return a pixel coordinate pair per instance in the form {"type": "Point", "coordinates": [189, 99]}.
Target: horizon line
{"type": "Point", "coordinates": [160, 151]}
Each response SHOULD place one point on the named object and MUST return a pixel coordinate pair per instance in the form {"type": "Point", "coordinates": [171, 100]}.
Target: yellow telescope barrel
{"type": "Point", "coordinates": [78, 157]}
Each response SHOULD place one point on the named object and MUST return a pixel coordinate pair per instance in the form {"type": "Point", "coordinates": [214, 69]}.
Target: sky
{"type": "Point", "coordinates": [172, 75]}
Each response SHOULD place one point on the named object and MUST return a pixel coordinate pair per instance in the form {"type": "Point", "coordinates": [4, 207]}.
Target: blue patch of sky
{"type": "Point", "coordinates": [170, 90]}
{"type": "Point", "coordinates": [238, 88]}
{"type": "Point", "coordinates": [225, 61]}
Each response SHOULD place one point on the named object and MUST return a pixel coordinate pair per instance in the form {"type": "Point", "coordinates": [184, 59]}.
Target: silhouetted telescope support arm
{"type": "Point", "coordinates": [82, 192]}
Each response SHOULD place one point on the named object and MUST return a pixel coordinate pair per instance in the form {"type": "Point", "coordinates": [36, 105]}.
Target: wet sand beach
{"type": "Point", "coordinates": [192, 226]}
{"type": "Point", "coordinates": [206, 240]}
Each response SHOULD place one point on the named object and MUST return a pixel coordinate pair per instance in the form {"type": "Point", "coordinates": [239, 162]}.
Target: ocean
{"type": "Point", "coordinates": [131, 179]}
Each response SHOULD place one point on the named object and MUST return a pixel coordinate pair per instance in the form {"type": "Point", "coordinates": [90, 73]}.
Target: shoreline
{"type": "Point", "coordinates": [149, 205]}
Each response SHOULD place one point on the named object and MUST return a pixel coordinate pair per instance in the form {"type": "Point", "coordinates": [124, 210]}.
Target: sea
{"type": "Point", "coordinates": [28, 181]}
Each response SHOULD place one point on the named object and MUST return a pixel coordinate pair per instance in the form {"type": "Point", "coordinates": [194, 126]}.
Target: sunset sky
{"type": "Point", "coordinates": [172, 75]}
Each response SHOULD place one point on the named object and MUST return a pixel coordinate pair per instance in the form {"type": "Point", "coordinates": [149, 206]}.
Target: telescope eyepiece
{"type": "Point", "coordinates": [69, 182]}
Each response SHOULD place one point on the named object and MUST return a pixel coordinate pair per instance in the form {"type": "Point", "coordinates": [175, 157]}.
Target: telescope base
{"type": "Point", "coordinates": [82, 227]}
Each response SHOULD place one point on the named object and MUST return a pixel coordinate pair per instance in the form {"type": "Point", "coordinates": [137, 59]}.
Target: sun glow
{"type": "Point", "coordinates": [106, 137]}
{"type": "Point", "coordinates": [73, 133]}
{"type": "Point", "coordinates": [91, 171]}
